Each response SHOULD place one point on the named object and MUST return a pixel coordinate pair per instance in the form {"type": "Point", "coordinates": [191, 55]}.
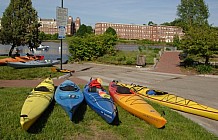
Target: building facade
{"type": "Point", "coordinates": [49, 26]}
{"type": "Point", "coordinates": [130, 31]}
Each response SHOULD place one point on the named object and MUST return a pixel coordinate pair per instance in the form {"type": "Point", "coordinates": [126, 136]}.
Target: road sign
{"type": "Point", "coordinates": [61, 16]}
{"type": "Point", "coordinates": [61, 32]}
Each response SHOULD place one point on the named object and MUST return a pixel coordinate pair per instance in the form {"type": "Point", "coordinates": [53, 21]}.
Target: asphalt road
{"type": "Point", "coordinates": [202, 89]}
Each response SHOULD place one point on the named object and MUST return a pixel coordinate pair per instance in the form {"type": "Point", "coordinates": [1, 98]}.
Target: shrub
{"type": "Point", "coordinates": [188, 62]}
{"type": "Point", "coordinates": [203, 69]}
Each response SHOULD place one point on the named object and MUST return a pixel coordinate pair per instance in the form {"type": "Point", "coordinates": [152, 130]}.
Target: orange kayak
{"type": "Point", "coordinates": [19, 59]}
{"type": "Point", "coordinates": [135, 105]}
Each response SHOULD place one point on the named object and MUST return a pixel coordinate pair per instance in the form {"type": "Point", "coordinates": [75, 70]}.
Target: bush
{"type": "Point", "coordinates": [130, 61]}
{"type": "Point", "coordinates": [188, 62]}
{"type": "Point", "coordinates": [203, 69]}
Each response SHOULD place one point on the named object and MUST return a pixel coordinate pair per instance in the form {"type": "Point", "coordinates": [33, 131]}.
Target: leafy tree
{"type": "Point", "coordinates": [201, 42]}
{"type": "Point", "coordinates": [19, 24]}
{"type": "Point", "coordinates": [193, 12]}
{"type": "Point", "coordinates": [110, 30]}
{"type": "Point", "coordinates": [150, 23]}
{"type": "Point", "coordinates": [89, 29]}
{"type": "Point", "coordinates": [42, 36]}
{"type": "Point", "coordinates": [176, 41]}
{"type": "Point", "coordinates": [83, 30]}
{"type": "Point", "coordinates": [176, 22]}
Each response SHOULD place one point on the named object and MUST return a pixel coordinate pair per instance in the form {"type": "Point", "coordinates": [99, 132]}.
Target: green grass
{"type": "Point", "coordinates": [55, 124]}
{"type": "Point", "coordinates": [9, 73]}
{"type": "Point", "coordinates": [129, 57]}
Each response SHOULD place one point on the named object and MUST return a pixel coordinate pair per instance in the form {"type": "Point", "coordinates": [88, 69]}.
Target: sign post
{"type": "Point", "coordinates": [62, 15]}
{"type": "Point", "coordinates": [61, 32]}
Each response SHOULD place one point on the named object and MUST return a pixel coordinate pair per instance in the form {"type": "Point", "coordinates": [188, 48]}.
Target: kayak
{"type": "Point", "coordinates": [69, 96]}
{"type": "Point", "coordinates": [99, 100]}
{"type": "Point", "coordinates": [20, 59]}
{"type": "Point", "coordinates": [135, 104]}
{"type": "Point", "coordinates": [33, 64]}
{"type": "Point", "coordinates": [36, 103]}
{"type": "Point", "coordinates": [11, 59]}
{"type": "Point", "coordinates": [54, 69]}
{"type": "Point", "coordinates": [174, 102]}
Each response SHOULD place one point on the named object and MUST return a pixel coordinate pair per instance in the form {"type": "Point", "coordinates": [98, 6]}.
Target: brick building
{"type": "Point", "coordinates": [49, 26]}
{"type": "Point", "coordinates": [125, 31]}
{"type": "Point", "coordinates": [130, 31]}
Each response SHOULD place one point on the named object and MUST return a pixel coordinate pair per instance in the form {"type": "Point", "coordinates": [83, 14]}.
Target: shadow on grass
{"type": "Point", "coordinates": [116, 120]}
{"type": "Point", "coordinates": [80, 112]}
{"type": "Point", "coordinates": [42, 120]}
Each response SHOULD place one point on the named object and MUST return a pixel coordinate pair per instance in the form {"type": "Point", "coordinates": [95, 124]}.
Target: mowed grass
{"type": "Point", "coordinates": [9, 73]}
{"type": "Point", "coordinates": [55, 124]}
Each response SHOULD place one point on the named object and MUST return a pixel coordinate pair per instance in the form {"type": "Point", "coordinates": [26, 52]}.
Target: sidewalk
{"type": "Point", "coordinates": [169, 63]}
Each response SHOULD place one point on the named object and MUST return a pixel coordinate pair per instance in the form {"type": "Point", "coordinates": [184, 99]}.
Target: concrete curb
{"type": "Point", "coordinates": [209, 76]}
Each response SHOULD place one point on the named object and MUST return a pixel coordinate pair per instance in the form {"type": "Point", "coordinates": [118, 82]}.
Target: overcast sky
{"type": "Point", "coordinates": [116, 11]}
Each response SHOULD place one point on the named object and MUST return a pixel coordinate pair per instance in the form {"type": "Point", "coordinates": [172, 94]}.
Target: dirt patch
{"type": "Point", "coordinates": [188, 71]}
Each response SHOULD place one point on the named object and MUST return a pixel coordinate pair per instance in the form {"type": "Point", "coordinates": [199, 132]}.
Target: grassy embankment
{"type": "Point", "coordinates": [9, 73]}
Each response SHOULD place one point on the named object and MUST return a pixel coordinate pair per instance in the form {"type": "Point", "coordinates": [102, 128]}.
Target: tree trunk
{"type": "Point", "coordinates": [207, 60]}
{"type": "Point", "coordinates": [11, 50]}
{"type": "Point", "coordinates": [30, 46]}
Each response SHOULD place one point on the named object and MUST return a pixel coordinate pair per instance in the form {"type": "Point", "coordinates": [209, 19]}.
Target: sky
{"type": "Point", "coordinates": [116, 11]}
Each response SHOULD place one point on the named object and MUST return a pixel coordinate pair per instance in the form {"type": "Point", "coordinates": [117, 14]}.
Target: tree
{"type": "Point", "coordinates": [176, 41]}
{"type": "Point", "coordinates": [176, 22]}
{"type": "Point", "coordinates": [201, 42]}
{"type": "Point", "coordinates": [193, 12]}
{"type": "Point", "coordinates": [89, 29]}
{"type": "Point", "coordinates": [42, 36]}
{"type": "Point", "coordinates": [150, 23]}
{"type": "Point", "coordinates": [83, 30]}
{"type": "Point", "coordinates": [110, 30]}
{"type": "Point", "coordinates": [19, 24]}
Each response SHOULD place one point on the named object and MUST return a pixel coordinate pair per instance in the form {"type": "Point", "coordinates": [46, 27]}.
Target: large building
{"type": "Point", "coordinates": [131, 31]}
{"type": "Point", "coordinates": [49, 26]}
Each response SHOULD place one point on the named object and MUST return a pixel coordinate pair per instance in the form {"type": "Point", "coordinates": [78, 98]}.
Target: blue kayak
{"type": "Point", "coordinates": [69, 96]}
{"type": "Point", "coordinates": [101, 102]}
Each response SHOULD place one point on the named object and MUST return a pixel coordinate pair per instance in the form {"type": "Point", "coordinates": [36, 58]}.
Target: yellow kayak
{"type": "Point", "coordinates": [173, 101]}
{"type": "Point", "coordinates": [36, 103]}
{"type": "Point", "coordinates": [136, 105]}
{"type": "Point", "coordinates": [54, 69]}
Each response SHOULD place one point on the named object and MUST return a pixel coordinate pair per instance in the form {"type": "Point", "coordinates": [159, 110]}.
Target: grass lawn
{"type": "Point", "coordinates": [130, 57]}
{"type": "Point", "coordinates": [9, 73]}
{"type": "Point", "coordinates": [55, 124]}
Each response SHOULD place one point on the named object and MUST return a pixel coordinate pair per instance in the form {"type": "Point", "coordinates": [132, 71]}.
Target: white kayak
{"type": "Point", "coordinates": [33, 64]}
